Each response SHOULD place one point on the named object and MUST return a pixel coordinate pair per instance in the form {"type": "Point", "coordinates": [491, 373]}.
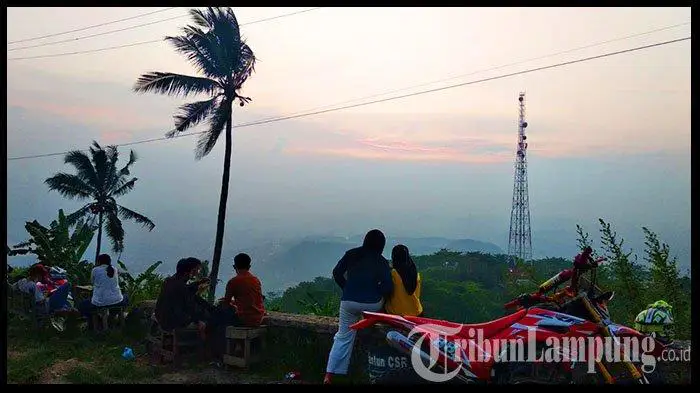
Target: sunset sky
{"type": "Point", "coordinates": [607, 138]}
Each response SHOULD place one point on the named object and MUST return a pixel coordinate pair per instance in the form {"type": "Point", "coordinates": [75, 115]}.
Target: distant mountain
{"type": "Point", "coordinates": [280, 265]}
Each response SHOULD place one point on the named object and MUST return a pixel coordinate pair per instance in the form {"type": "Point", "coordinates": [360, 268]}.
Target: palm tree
{"type": "Point", "coordinates": [213, 45]}
{"type": "Point", "coordinates": [99, 180]}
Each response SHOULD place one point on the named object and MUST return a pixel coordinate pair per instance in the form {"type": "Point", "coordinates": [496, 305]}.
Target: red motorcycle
{"type": "Point", "coordinates": [549, 339]}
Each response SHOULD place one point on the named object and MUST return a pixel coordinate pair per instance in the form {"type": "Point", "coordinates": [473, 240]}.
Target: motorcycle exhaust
{"type": "Point", "coordinates": [406, 346]}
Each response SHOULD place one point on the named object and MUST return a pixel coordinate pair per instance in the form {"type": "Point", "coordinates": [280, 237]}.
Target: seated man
{"type": "Point", "coordinates": [241, 306]}
{"type": "Point", "coordinates": [244, 294]}
{"type": "Point", "coordinates": [178, 304]}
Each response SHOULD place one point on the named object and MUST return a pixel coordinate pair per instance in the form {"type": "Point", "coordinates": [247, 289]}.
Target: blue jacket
{"type": "Point", "coordinates": [364, 276]}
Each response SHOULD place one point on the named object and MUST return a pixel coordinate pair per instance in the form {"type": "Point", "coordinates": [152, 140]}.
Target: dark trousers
{"type": "Point", "coordinates": [59, 298]}
{"type": "Point", "coordinates": [86, 307]}
{"type": "Point", "coordinates": [219, 319]}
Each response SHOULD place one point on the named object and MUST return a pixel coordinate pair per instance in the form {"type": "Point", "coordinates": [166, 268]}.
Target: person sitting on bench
{"type": "Point", "coordinates": [244, 294]}
{"type": "Point", "coordinates": [54, 300]}
{"type": "Point", "coordinates": [105, 289]}
{"type": "Point", "coordinates": [242, 305]}
{"type": "Point", "coordinates": [178, 304]}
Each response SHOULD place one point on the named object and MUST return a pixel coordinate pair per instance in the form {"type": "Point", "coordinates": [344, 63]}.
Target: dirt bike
{"type": "Point", "coordinates": [456, 350]}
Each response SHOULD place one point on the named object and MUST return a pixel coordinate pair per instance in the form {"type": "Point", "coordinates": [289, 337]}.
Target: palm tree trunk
{"type": "Point", "coordinates": [99, 238]}
{"type": "Point", "coordinates": [221, 221]}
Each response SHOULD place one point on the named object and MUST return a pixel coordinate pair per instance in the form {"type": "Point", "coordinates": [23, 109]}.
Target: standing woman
{"type": "Point", "coordinates": [365, 278]}
{"type": "Point", "coordinates": [405, 298]}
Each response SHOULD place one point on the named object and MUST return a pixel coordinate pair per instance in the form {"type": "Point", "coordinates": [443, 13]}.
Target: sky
{"type": "Point", "coordinates": [608, 138]}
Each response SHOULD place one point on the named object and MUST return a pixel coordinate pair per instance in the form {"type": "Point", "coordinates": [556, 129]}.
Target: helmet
{"type": "Point", "coordinates": [661, 305]}
{"type": "Point", "coordinates": [656, 321]}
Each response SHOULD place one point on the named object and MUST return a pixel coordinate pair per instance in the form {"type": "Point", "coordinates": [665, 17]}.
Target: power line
{"type": "Point", "coordinates": [294, 116]}
{"type": "Point", "coordinates": [90, 27]}
{"type": "Point", "coordinates": [496, 67]}
{"type": "Point", "coordinates": [147, 42]}
{"type": "Point", "coordinates": [132, 27]}
{"type": "Point", "coordinates": [96, 34]}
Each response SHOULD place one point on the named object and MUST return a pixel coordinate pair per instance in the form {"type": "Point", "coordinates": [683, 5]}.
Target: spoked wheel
{"type": "Point", "coordinates": [522, 372]}
{"type": "Point", "coordinates": [532, 373]}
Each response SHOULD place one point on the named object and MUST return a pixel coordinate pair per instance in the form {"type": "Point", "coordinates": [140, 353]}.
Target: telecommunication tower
{"type": "Point", "coordinates": [519, 239]}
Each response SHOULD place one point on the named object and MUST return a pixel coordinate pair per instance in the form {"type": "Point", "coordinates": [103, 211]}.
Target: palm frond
{"type": "Point", "coordinates": [222, 37]}
{"type": "Point", "coordinates": [124, 188]}
{"type": "Point", "coordinates": [95, 146]}
{"type": "Point", "coordinates": [217, 122]}
{"type": "Point", "coordinates": [199, 18]}
{"type": "Point", "coordinates": [69, 186]}
{"type": "Point", "coordinates": [112, 176]}
{"type": "Point", "coordinates": [175, 84]}
{"type": "Point", "coordinates": [78, 214]}
{"type": "Point", "coordinates": [128, 214]}
{"type": "Point", "coordinates": [192, 114]}
{"type": "Point", "coordinates": [83, 166]}
{"type": "Point", "coordinates": [115, 231]}
{"type": "Point", "coordinates": [100, 160]}
{"type": "Point", "coordinates": [199, 50]}
{"type": "Point", "coordinates": [132, 159]}
{"type": "Point", "coordinates": [245, 68]}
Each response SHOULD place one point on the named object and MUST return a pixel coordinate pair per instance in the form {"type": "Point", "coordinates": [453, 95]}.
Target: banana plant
{"type": "Point", "coordinates": [145, 286]}
{"type": "Point", "coordinates": [58, 246]}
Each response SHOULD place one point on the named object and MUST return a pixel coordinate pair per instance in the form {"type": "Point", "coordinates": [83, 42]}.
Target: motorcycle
{"type": "Point", "coordinates": [443, 351]}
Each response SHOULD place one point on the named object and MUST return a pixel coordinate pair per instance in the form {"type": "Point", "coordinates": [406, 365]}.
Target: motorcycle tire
{"type": "Point", "coordinates": [513, 373]}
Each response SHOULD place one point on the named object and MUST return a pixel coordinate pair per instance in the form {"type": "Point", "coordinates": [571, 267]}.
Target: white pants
{"type": "Point", "coordinates": [350, 312]}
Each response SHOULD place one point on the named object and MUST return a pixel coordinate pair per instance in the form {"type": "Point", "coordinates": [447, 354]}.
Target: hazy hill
{"type": "Point", "coordinates": [283, 264]}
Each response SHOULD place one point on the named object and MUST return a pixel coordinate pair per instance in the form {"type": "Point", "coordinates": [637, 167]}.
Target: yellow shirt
{"type": "Point", "coordinates": [400, 302]}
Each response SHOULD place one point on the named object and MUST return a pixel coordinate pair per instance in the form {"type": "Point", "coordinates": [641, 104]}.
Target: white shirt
{"type": "Point", "coordinates": [105, 289]}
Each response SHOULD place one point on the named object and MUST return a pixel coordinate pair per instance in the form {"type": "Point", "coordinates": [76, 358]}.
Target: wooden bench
{"type": "Point", "coordinates": [244, 345]}
{"type": "Point", "coordinates": [169, 346]}
{"type": "Point", "coordinates": [106, 318]}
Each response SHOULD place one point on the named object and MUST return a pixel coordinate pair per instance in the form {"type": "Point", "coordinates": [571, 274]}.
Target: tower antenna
{"type": "Point", "coordinates": [519, 239]}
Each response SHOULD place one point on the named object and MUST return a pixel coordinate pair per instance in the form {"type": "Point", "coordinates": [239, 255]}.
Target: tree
{"type": "Point", "coordinates": [213, 45]}
{"type": "Point", "coordinates": [97, 178]}
{"type": "Point", "coordinates": [665, 282]}
{"type": "Point", "coordinates": [624, 273]}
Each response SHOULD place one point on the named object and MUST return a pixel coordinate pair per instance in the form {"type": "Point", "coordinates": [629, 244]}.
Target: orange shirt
{"type": "Point", "coordinates": [246, 291]}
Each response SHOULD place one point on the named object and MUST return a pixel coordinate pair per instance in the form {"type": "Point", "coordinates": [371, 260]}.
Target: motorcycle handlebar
{"type": "Point", "coordinates": [526, 300]}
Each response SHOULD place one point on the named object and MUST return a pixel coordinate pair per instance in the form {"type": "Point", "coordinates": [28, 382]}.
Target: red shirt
{"type": "Point", "coordinates": [246, 291]}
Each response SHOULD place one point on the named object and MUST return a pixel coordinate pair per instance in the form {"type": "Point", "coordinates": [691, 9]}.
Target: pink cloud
{"type": "Point", "coordinates": [93, 114]}
{"type": "Point", "coordinates": [115, 137]}
{"type": "Point", "coordinates": [374, 148]}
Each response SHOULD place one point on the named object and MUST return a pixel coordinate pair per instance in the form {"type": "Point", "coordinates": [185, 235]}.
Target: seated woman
{"type": "Point", "coordinates": [105, 288]}
{"type": "Point", "coordinates": [178, 304]}
{"type": "Point", "coordinates": [405, 298]}
{"type": "Point", "coordinates": [52, 300]}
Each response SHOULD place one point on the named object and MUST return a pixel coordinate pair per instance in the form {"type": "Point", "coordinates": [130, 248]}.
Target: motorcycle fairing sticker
{"type": "Point", "coordinates": [557, 319]}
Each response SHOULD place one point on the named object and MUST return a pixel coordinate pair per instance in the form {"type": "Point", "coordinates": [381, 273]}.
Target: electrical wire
{"type": "Point", "coordinates": [145, 42]}
{"type": "Point", "coordinates": [89, 27]}
{"type": "Point", "coordinates": [294, 116]}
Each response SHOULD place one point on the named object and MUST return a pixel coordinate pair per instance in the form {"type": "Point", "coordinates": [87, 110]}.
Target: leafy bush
{"type": "Point", "coordinates": [145, 286]}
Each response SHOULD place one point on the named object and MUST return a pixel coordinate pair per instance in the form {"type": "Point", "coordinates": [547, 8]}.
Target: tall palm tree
{"type": "Point", "coordinates": [98, 179]}
{"type": "Point", "coordinates": [213, 45]}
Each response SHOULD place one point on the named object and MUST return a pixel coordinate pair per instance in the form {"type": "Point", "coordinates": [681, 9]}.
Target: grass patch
{"type": "Point", "coordinates": [77, 356]}
{"type": "Point", "coordinates": [85, 375]}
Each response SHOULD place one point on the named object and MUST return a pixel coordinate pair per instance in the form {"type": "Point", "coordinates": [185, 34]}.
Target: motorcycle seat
{"type": "Point", "coordinates": [490, 328]}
